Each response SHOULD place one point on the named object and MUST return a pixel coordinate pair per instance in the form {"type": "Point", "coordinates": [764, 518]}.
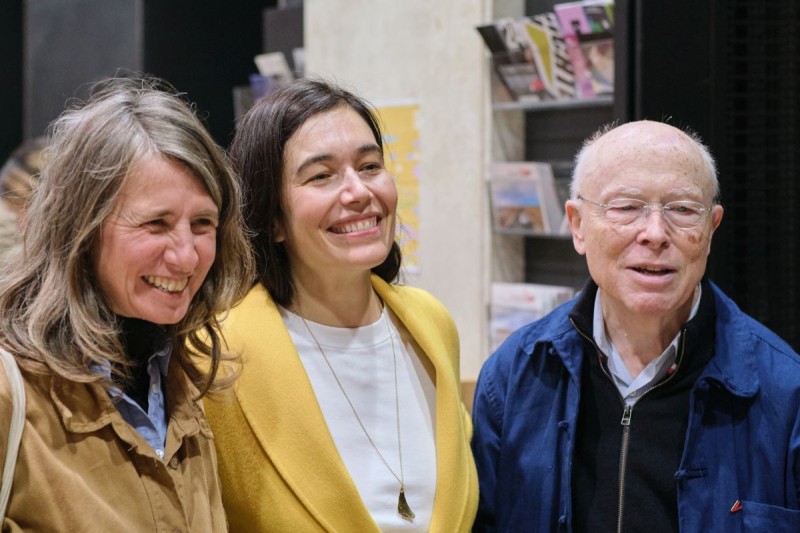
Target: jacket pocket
{"type": "Point", "coordinates": [761, 517]}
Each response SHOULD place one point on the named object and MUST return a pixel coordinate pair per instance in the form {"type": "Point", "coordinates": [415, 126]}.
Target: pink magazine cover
{"type": "Point", "coordinates": [572, 20]}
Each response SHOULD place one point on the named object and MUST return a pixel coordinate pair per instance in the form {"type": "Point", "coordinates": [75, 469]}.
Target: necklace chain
{"type": "Point", "coordinates": [402, 507]}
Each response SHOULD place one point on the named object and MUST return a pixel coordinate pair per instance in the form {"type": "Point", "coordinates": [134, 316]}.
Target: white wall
{"type": "Point", "coordinates": [428, 51]}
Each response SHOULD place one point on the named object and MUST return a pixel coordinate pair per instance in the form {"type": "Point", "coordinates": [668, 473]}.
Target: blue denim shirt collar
{"type": "Point", "coordinates": [152, 425]}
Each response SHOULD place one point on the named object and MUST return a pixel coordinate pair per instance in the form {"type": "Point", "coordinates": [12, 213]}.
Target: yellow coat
{"type": "Point", "coordinates": [279, 467]}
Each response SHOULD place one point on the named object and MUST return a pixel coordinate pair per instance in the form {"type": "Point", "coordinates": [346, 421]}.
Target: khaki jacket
{"type": "Point", "coordinates": [279, 466]}
{"type": "Point", "coordinates": [81, 467]}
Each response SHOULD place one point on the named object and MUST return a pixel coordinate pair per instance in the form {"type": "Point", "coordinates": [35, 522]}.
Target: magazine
{"type": "Point", "coordinates": [572, 21]}
{"type": "Point", "coordinates": [550, 54]}
{"type": "Point", "coordinates": [513, 305]}
{"type": "Point", "coordinates": [523, 198]}
{"type": "Point", "coordinates": [597, 45]}
{"type": "Point", "coordinates": [512, 60]}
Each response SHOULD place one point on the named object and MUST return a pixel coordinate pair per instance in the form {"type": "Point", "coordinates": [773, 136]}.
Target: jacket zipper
{"type": "Point", "coordinates": [626, 416]}
{"type": "Point", "coordinates": [623, 461]}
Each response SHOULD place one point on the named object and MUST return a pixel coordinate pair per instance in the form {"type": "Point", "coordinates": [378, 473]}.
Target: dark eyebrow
{"type": "Point", "coordinates": [321, 158]}
{"type": "Point", "coordinates": [367, 148]}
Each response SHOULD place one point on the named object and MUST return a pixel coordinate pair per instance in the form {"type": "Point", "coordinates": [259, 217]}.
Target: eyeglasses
{"type": "Point", "coordinates": [683, 214]}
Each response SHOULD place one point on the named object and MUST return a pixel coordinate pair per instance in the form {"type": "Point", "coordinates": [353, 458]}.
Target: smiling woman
{"type": "Point", "coordinates": [346, 374]}
{"type": "Point", "coordinates": [159, 242]}
{"type": "Point", "coordinates": [340, 198]}
{"type": "Point", "coordinates": [134, 243]}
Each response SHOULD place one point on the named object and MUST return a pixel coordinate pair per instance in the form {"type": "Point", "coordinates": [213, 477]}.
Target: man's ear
{"type": "Point", "coordinates": [575, 225]}
{"type": "Point", "coordinates": [716, 217]}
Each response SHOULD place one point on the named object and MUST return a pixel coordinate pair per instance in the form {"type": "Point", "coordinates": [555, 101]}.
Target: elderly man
{"type": "Point", "coordinates": [650, 402]}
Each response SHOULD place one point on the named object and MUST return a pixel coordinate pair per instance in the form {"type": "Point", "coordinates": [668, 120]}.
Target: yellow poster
{"type": "Point", "coordinates": [401, 143]}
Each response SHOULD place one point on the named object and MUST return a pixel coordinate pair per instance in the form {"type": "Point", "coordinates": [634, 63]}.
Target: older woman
{"type": "Point", "coordinates": [133, 245]}
{"type": "Point", "coordinates": [347, 415]}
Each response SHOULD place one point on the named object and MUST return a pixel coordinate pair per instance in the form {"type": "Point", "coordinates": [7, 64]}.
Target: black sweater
{"type": "Point", "coordinates": [141, 340]}
{"type": "Point", "coordinates": [655, 434]}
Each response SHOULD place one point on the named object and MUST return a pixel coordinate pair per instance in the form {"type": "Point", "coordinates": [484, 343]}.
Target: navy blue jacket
{"type": "Point", "coordinates": [742, 442]}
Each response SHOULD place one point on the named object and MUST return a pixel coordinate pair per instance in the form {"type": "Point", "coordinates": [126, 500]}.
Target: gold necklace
{"type": "Point", "coordinates": [403, 508]}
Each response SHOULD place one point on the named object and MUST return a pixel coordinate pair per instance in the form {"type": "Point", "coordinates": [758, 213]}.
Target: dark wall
{"type": "Point", "coordinates": [69, 45]}
{"type": "Point", "coordinates": [283, 32]}
{"type": "Point", "coordinates": [203, 48]}
{"type": "Point", "coordinates": [732, 73]}
{"type": "Point", "coordinates": [11, 76]}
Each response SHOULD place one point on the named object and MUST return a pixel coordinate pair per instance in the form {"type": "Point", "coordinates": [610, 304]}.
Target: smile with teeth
{"type": "Point", "coordinates": [361, 225]}
{"type": "Point", "coordinates": [166, 284]}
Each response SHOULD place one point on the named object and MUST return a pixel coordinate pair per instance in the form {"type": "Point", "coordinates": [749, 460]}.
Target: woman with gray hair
{"type": "Point", "coordinates": [133, 244]}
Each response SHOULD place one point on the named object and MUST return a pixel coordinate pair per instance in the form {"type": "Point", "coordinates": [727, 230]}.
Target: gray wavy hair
{"type": "Point", "coordinates": [53, 316]}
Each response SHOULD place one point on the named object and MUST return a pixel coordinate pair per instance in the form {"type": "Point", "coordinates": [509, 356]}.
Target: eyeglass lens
{"type": "Point", "coordinates": [681, 214]}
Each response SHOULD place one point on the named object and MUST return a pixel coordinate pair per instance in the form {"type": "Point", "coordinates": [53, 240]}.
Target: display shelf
{"type": "Point", "coordinates": [527, 233]}
{"type": "Point", "coordinates": [549, 105]}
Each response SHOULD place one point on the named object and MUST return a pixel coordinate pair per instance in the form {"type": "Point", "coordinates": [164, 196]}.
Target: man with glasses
{"type": "Point", "coordinates": [650, 402]}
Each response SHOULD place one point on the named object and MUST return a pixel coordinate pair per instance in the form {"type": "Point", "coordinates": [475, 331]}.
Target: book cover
{"type": "Point", "coordinates": [274, 66]}
{"type": "Point", "coordinates": [572, 21]}
{"type": "Point", "coordinates": [550, 54]}
{"type": "Point", "coordinates": [597, 45]}
{"type": "Point", "coordinates": [513, 305]}
{"type": "Point", "coordinates": [523, 198]}
{"type": "Point", "coordinates": [599, 15]}
{"type": "Point", "coordinates": [511, 59]}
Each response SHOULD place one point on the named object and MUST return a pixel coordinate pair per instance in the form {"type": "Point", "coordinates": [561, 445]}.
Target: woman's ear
{"type": "Point", "coordinates": [279, 233]}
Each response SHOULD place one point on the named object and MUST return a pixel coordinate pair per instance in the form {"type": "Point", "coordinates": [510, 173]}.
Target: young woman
{"type": "Point", "coordinates": [347, 415]}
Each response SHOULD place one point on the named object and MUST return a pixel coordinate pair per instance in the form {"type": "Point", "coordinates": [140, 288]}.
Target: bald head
{"type": "Point", "coordinates": [662, 149]}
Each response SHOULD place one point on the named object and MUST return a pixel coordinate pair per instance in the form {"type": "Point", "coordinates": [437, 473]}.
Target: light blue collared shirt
{"type": "Point", "coordinates": [630, 388]}
{"type": "Point", "coordinates": [152, 425]}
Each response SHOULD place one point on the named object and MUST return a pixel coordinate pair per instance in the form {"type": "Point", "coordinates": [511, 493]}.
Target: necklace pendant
{"type": "Point", "coordinates": [402, 506]}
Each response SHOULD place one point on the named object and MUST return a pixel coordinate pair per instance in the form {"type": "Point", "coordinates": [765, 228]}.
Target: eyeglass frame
{"type": "Point", "coordinates": [648, 208]}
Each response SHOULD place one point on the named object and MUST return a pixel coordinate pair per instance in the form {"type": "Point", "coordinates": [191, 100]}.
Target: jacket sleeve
{"type": "Point", "coordinates": [5, 413]}
{"type": "Point", "coordinates": [794, 449]}
{"type": "Point", "coordinates": [486, 439]}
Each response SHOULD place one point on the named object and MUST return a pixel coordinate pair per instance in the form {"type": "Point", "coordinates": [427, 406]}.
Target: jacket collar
{"type": "Point", "coordinates": [733, 364]}
{"type": "Point", "coordinates": [287, 421]}
{"type": "Point", "coordinates": [87, 407]}
{"type": "Point", "coordinates": [452, 452]}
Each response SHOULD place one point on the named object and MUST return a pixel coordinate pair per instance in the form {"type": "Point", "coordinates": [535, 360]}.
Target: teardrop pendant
{"type": "Point", "coordinates": [402, 506]}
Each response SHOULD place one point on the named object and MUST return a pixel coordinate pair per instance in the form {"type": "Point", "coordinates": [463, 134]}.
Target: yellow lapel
{"type": "Point", "coordinates": [279, 404]}
{"type": "Point", "coordinates": [437, 338]}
